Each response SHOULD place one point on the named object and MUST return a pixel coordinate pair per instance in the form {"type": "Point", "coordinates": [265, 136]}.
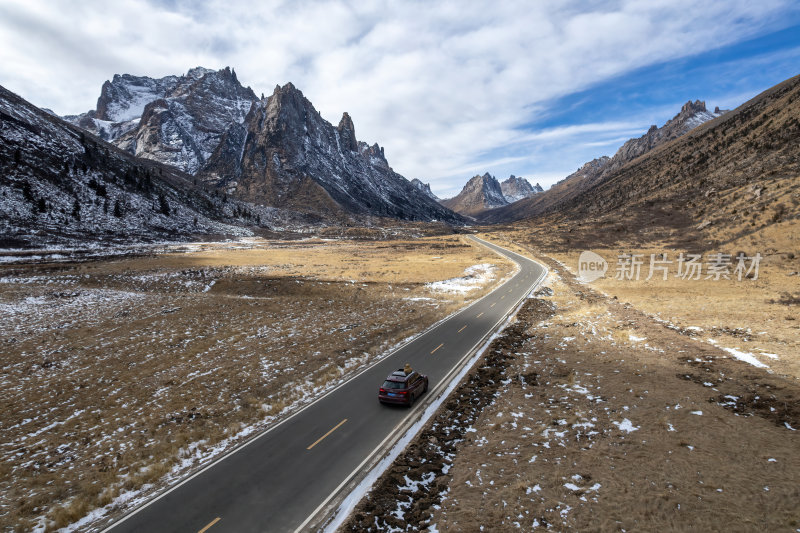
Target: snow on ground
{"type": "Point", "coordinates": [747, 357]}
{"type": "Point", "coordinates": [474, 277]}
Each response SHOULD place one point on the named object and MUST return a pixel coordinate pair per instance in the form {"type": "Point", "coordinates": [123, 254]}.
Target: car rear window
{"type": "Point", "coordinates": [393, 385]}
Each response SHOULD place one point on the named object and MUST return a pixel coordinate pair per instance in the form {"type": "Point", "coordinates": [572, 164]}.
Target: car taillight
{"type": "Point", "coordinates": [382, 391]}
{"type": "Point", "coordinates": [403, 392]}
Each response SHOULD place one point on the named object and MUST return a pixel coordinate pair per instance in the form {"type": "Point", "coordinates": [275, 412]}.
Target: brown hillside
{"type": "Point", "coordinates": [727, 178]}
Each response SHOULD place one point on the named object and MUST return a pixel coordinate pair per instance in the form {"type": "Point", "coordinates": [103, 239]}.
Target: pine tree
{"type": "Point", "coordinates": [118, 209]}
{"type": "Point", "coordinates": [76, 210]}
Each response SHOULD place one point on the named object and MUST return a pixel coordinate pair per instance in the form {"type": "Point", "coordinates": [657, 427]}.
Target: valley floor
{"type": "Point", "coordinates": [593, 413]}
{"type": "Point", "coordinates": [119, 376]}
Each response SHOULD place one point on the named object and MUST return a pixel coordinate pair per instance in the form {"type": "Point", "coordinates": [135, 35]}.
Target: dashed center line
{"type": "Point", "coordinates": [440, 345]}
{"type": "Point", "coordinates": [217, 519]}
{"type": "Point", "coordinates": [334, 428]}
{"type": "Point", "coordinates": [480, 315]}
{"type": "Point", "coordinates": [493, 304]}
{"type": "Point", "coordinates": [462, 328]}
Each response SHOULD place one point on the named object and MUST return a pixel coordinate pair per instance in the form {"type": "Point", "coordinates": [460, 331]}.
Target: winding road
{"type": "Point", "coordinates": [294, 474]}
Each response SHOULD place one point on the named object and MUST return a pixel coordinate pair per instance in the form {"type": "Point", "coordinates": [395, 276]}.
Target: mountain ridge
{"type": "Point", "coordinates": [284, 144]}
{"type": "Point", "coordinates": [691, 115]}
{"type": "Point", "coordinates": [205, 122]}
{"type": "Point", "coordinates": [711, 180]}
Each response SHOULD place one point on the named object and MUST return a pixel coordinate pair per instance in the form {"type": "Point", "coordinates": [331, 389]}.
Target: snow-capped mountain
{"type": "Point", "coordinates": [479, 194]}
{"type": "Point", "coordinates": [59, 184]}
{"type": "Point", "coordinates": [515, 189]}
{"type": "Point", "coordinates": [285, 154]}
{"type": "Point", "coordinates": [177, 120]}
{"type": "Point", "coordinates": [425, 188]}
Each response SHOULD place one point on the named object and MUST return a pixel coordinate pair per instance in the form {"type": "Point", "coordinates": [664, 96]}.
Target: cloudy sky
{"type": "Point", "coordinates": [450, 89]}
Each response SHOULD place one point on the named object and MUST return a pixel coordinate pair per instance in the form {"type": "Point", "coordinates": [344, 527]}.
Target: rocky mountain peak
{"type": "Point", "coordinates": [694, 107]}
{"type": "Point", "coordinates": [691, 115]}
{"type": "Point", "coordinates": [425, 188]}
{"type": "Point", "coordinates": [479, 194]}
{"type": "Point", "coordinates": [287, 155]}
{"type": "Point", "coordinates": [177, 120]}
{"type": "Point", "coordinates": [347, 134]}
{"type": "Point", "coordinates": [277, 151]}
{"type": "Point", "coordinates": [198, 72]}
{"type": "Point", "coordinates": [515, 189]}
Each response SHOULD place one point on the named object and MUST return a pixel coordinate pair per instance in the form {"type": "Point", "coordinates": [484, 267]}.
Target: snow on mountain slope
{"type": "Point", "coordinates": [59, 184]}
{"type": "Point", "coordinates": [515, 189]}
{"type": "Point", "coordinates": [425, 188]}
{"type": "Point", "coordinates": [177, 120]}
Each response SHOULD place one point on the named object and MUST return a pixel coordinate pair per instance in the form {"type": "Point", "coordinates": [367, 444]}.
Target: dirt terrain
{"type": "Point", "coordinates": [119, 376]}
{"type": "Point", "coordinates": [590, 414]}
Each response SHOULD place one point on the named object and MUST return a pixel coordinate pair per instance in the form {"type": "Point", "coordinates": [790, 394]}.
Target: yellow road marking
{"type": "Point", "coordinates": [493, 304]}
{"type": "Point", "coordinates": [439, 346]}
{"type": "Point", "coordinates": [479, 315]}
{"type": "Point", "coordinates": [503, 296]}
{"type": "Point", "coordinates": [334, 428]}
{"type": "Point", "coordinates": [217, 519]}
{"type": "Point", "coordinates": [462, 329]}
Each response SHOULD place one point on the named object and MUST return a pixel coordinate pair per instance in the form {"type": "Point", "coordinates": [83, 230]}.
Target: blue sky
{"type": "Point", "coordinates": [725, 77]}
{"type": "Point", "coordinates": [449, 88]}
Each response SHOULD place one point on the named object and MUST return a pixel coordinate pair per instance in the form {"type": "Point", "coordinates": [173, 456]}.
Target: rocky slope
{"type": "Point", "coordinates": [177, 120]}
{"type": "Point", "coordinates": [691, 115]}
{"type": "Point", "coordinates": [479, 194]}
{"type": "Point", "coordinates": [425, 188]}
{"type": "Point", "coordinates": [60, 184]}
{"type": "Point", "coordinates": [286, 155]}
{"type": "Point", "coordinates": [515, 189]}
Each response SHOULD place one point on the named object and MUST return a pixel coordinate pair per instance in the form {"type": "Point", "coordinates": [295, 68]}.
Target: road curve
{"type": "Point", "coordinates": [279, 479]}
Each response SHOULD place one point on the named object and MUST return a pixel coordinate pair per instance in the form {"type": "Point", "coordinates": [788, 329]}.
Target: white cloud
{"type": "Point", "coordinates": [442, 86]}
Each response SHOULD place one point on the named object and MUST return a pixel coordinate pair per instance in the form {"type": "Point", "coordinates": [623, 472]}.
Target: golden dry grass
{"type": "Point", "coordinates": [554, 452]}
{"type": "Point", "coordinates": [123, 374]}
{"type": "Point", "coordinates": [752, 316]}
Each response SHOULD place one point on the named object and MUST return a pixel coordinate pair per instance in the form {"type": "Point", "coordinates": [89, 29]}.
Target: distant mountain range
{"type": "Point", "coordinates": [200, 154]}
{"type": "Point", "coordinates": [482, 193]}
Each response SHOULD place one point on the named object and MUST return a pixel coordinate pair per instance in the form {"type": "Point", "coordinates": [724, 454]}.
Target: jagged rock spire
{"type": "Point", "coordinates": [347, 133]}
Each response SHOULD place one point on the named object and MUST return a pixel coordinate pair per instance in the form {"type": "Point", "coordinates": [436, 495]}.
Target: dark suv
{"type": "Point", "coordinates": [402, 387]}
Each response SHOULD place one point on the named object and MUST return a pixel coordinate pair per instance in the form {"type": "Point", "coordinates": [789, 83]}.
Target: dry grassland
{"type": "Point", "coordinates": [753, 316]}
{"type": "Point", "coordinates": [119, 376]}
{"type": "Point", "coordinates": [609, 420]}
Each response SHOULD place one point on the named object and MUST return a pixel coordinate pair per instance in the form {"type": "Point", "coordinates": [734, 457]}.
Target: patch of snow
{"type": "Point", "coordinates": [475, 277]}
{"type": "Point", "coordinates": [626, 425]}
{"type": "Point", "coordinates": [747, 357]}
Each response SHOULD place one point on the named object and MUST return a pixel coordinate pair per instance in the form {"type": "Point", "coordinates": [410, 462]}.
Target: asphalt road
{"type": "Point", "coordinates": [278, 480]}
